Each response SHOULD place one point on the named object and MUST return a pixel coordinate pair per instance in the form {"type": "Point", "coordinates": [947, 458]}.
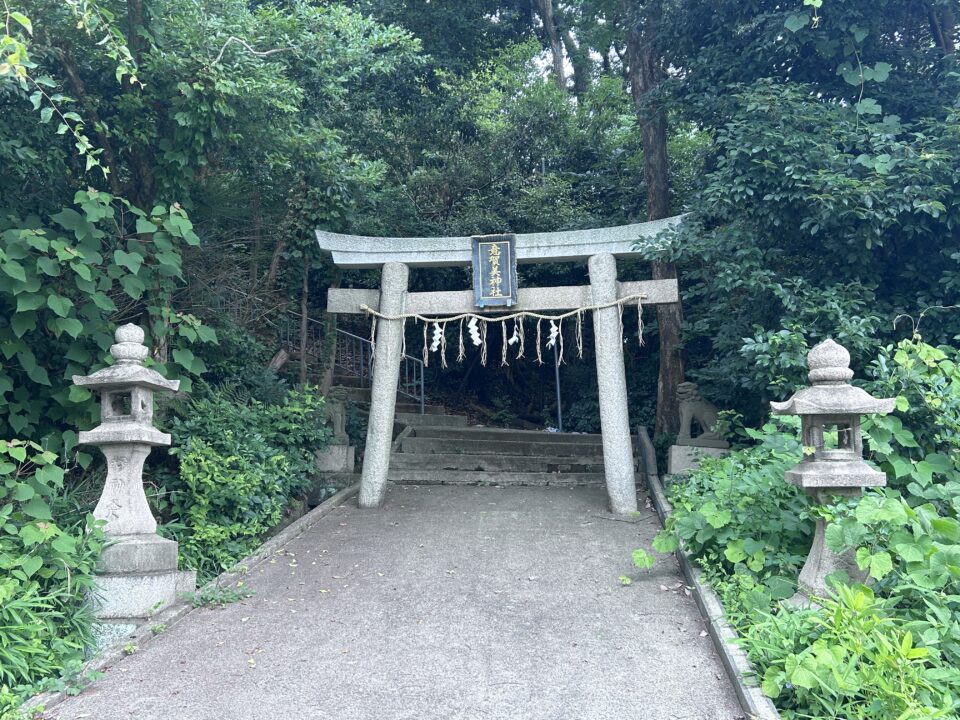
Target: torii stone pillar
{"type": "Point", "coordinates": [383, 391]}
{"type": "Point", "coordinates": [394, 255]}
{"type": "Point", "coordinates": [612, 387]}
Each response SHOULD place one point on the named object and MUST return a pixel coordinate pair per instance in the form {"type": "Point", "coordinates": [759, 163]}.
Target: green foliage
{"type": "Point", "coordinates": [240, 462]}
{"type": "Point", "coordinates": [62, 284]}
{"type": "Point", "coordinates": [47, 557]}
{"type": "Point", "coordinates": [736, 512]}
{"type": "Point", "coordinates": [889, 652]}
{"type": "Point", "coordinates": [796, 229]}
{"type": "Point", "coordinates": [852, 658]}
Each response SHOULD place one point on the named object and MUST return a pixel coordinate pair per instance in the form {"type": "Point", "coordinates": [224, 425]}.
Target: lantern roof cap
{"type": "Point", "coordinates": [128, 370]}
{"type": "Point", "coordinates": [831, 393]}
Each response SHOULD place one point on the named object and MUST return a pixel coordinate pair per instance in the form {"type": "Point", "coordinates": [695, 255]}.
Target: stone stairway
{"type": "Point", "coordinates": [441, 452]}
{"type": "Point", "coordinates": [440, 448]}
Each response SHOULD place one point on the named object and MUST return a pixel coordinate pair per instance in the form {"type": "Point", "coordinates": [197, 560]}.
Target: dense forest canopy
{"type": "Point", "coordinates": [167, 161]}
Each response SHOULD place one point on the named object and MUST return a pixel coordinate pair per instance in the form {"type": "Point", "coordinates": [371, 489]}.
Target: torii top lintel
{"type": "Point", "coordinates": [358, 251]}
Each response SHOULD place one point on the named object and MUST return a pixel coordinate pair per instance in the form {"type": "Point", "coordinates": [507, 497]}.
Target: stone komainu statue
{"type": "Point", "coordinates": [694, 408]}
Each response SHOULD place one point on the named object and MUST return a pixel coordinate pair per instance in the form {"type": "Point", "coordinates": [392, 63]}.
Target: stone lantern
{"type": "Point", "coordinates": [137, 572]}
{"type": "Point", "coordinates": [833, 463]}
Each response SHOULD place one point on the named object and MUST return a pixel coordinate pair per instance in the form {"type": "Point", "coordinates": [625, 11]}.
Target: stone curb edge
{"type": "Point", "coordinates": [755, 704]}
{"type": "Point", "coordinates": [142, 636]}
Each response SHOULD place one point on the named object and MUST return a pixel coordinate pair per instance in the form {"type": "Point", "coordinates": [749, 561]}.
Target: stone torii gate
{"type": "Point", "coordinates": [600, 247]}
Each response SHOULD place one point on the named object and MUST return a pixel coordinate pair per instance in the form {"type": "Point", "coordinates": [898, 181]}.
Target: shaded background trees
{"type": "Point", "coordinates": [814, 146]}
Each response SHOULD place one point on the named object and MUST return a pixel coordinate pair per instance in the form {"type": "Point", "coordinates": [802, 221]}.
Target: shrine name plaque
{"type": "Point", "coordinates": [494, 270]}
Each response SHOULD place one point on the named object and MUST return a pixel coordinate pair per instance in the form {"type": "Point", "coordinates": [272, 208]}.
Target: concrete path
{"type": "Point", "coordinates": [447, 603]}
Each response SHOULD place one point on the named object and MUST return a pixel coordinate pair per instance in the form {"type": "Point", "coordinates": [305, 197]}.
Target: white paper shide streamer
{"type": "Point", "coordinates": [476, 330]}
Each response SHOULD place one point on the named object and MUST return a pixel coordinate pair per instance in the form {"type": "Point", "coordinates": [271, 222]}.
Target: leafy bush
{"type": "Point", "coordinates": [63, 282]}
{"type": "Point", "coordinates": [887, 652]}
{"type": "Point", "coordinates": [853, 658]}
{"type": "Point", "coordinates": [737, 510]}
{"type": "Point", "coordinates": [46, 569]}
{"type": "Point", "coordinates": [240, 462]}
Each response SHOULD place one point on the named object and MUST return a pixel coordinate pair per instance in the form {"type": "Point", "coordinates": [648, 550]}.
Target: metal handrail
{"type": "Point", "coordinates": [354, 357]}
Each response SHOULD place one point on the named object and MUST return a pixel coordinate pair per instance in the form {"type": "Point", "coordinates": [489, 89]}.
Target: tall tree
{"type": "Point", "coordinates": [644, 67]}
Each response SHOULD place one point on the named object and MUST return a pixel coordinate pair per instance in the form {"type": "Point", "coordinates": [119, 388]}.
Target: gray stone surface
{"type": "Point", "coordinates": [416, 418]}
{"type": "Point", "coordinates": [504, 447]}
{"type": "Point", "coordinates": [383, 391]}
{"type": "Point", "coordinates": [336, 458]}
{"type": "Point", "coordinates": [494, 461]}
{"type": "Point", "coordinates": [358, 251]}
{"type": "Point", "coordinates": [349, 300]}
{"type": "Point", "coordinates": [445, 603]}
{"type": "Point", "coordinates": [830, 408]}
{"type": "Point", "coordinates": [694, 408]}
{"type": "Point", "coordinates": [499, 435]}
{"type": "Point", "coordinates": [134, 595]}
{"type": "Point", "coordinates": [479, 477]}
{"type": "Point", "coordinates": [686, 458]}
{"type": "Point", "coordinates": [146, 552]}
{"type": "Point", "coordinates": [612, 387]}
{"type": "Point", "coordinates": [137, 573]}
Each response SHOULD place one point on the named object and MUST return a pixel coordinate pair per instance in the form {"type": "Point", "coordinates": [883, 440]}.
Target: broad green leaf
{"type": "Point", "coordinates": [30, 564]}
{"type": "Point", "coordinates": [65, 544]}
{"type": "Point", "coordinates": [27, 301]}
{"type": "Point", "coordinates": [909, 552]}
{"type": "Point", "coordinates": [868, 106]}
{"type": "Point", "coordinates": [145, 226]}
{"type": "Point", "coordinates": [132, 286]}
{"type": "Point", "coordinates": [642, 559]}
{"type": "Point", "coordinates": [14, 270]}
{"type": "Point", "coordinates": [59, 304]}
{"type": "Point", "coordinates": [79, 394]}
{"type": "Point", "coordinates": [132, 261]}
{"type": "Point", "coordinates": [71, 326]}
{"type": "Point", "coordinates": [665, 542]}
{"type": "Point", "coordinates": [23, 20]}
{"type": "Point", "coordinates": [795, 23]}
{"type": "Point", "coordinates": [948, 527]}
{"type": "Point", "coordinates": [22, 323]}
{"type": "Point", "coordinates": [23, 492]}
{"type": "Point", "coordinates": [37, 508]}
{"type": "Point", "coordinates": [103, 301]}
{"type": "Point", "coordinates": [51, 475]}
{"type": "Point", "coordinates": [17, 452]}
{"type": "Point", "coordinates": [48, 266]}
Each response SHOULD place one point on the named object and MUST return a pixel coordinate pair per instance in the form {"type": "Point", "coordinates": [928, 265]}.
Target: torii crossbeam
{"type": "Point", "coordinates": [600, 247]}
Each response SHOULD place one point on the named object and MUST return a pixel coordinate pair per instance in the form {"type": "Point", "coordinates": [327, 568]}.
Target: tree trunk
{"type": "Point", "coordinates": [943, 27]}
{"type": "Point", "coordinates": [582, 65]}
{"type": "Point", "coordinates": [545, 8]}
{"type": "Point", "coordinates": [275, 262]}
{"type": "Point", "coordinates": [304, 310]}
{"type": "Point", "coordinates": [644, 73]}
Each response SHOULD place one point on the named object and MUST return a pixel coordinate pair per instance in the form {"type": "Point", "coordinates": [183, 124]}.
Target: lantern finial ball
{"type": "Point", "coordinates": [129, 347]}
{"type": "Point", "coordinates": [829, 363]}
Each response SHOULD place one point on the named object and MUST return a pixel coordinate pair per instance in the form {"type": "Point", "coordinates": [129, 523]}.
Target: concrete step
{"type": "Point", "coordinates": [361, 395]}
{"type": "Point", "coordinates": [496, 463]}
{"type": "Point", "coordinates": [351, 381]}
{"type": "Point", "coordinates": [466, 445]}
{"type": "Point", "coordinates": [447, 477]}
{"type": "Point", "coordinates": [508, 435]}
{"type": "Point", "coordinates": [414, 407]}
{"type": "Point", "coordinates": [430, 419]}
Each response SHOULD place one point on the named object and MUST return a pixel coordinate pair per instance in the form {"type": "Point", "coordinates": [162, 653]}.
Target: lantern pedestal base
{"type": "Point", "coordinates": [137, 577]}
{"type": "Point", "coordinates": [821, 561]}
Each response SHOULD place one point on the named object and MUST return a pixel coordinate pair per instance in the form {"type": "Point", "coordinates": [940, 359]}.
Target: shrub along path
{"type": "Point", "coordinates": [449, 602]}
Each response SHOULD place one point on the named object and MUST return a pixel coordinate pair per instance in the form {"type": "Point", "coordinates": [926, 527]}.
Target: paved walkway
{"type": "Point", "coordinates": [448, 603]}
